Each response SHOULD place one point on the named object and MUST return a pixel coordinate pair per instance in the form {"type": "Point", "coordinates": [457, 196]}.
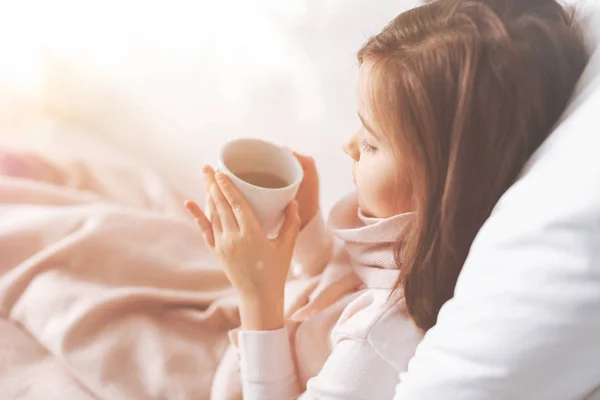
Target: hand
{"type": "Point", "coordinates": [308, 192]}
{"type": "Point", "coordinates": [254, 264]}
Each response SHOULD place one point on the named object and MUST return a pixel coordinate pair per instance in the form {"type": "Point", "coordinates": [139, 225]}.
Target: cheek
{"type": "Point", "coordinates": [378, 188]}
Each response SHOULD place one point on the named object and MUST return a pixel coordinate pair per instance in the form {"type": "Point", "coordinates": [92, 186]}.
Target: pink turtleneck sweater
{"type": "Point", "coordinates": [371, 338]}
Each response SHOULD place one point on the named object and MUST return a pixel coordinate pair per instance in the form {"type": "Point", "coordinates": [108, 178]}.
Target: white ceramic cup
{"type": "Point", "coordinates": [240, 158]}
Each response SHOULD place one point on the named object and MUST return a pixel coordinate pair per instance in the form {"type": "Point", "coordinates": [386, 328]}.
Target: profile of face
{"type": "Point", "coordinates": [383, 190]}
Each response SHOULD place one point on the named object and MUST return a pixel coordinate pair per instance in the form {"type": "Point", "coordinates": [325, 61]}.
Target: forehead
{"type": "Point", "coordinates": [364, 90]}
{"type": "Point", "coordinates": [368, 108]}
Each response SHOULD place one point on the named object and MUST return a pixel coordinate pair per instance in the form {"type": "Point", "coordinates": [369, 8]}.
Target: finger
{"type": "Point", "coordinates": [209, 177]}
{"type": "Point", "coordinates": [291, 225]}
{"type": "Point", "coordinates": [202, 221]}
{"type": "Point", "coordinates": [244, 215]}
{"type": "Point", "coordinates": [215, 221]}
{"type": "Point", "coordinates": [307, 162]}
{"type": "Point", "coordinates": [226, 216]}
{"type": "Point", "coordinates": [198, 214]}
{"type": "Point", "coordinates": [228, 220]}
{"type": "Point", "coordinates": [209, 238]}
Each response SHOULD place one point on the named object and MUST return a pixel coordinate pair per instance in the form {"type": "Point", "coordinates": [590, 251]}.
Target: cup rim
{"type": "Point", "coordinates": [274, 146]}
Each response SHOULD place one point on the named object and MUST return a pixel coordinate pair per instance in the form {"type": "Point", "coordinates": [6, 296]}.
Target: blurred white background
{"type": "Point", "coordinates": [170, 81]}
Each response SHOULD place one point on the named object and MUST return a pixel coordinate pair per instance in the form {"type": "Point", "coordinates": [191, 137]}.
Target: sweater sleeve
{"type": "Point", "coordinates": [314, 247]}
{"type": "Point", "coordinates": [353, 370]}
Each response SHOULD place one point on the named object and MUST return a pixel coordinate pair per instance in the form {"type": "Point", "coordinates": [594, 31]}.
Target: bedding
{"type": "Point", "coordinates": [106, 288]}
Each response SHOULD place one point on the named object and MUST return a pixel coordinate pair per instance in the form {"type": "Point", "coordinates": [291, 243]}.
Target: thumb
{"type": "Point", "coordinates": [305, 161]}
{"type": "Point", "coordinates": [291, 225]}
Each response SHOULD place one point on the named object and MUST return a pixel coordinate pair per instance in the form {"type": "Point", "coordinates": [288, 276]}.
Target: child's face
{"type": "Point", "coordinates": [382, 189]}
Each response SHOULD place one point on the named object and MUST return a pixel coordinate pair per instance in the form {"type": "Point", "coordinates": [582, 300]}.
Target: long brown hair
{"type": "Point", "coordinates": [467, 90]}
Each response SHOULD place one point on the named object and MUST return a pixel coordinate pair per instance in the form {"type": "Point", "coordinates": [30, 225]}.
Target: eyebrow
{"type": "Point", "coordinates": [367, 126]}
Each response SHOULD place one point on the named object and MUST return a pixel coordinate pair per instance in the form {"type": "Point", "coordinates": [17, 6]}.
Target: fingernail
{"type": "Point", "coordinates": [206, 169]}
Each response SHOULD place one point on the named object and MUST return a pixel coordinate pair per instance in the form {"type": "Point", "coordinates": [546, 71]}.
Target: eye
{"type": "Point", "coordinates": [366, 147]}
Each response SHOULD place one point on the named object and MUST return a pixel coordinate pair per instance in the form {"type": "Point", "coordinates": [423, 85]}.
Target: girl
{"type": "Point", "coordinates": [454, 97]}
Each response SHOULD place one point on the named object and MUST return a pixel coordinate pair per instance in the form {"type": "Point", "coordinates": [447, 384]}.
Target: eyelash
{"type": "Point", "coordinates": [366, 146]}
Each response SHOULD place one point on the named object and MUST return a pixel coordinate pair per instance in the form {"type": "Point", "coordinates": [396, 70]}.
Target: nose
{"type": "Point", "coordinates": [351, 147]}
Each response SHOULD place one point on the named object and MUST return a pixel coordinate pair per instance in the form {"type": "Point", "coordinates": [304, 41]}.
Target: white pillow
{"type": "Point", "coordinates": [525, 319]}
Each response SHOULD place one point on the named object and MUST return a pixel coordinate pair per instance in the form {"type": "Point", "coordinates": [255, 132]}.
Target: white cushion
{"type": "Point", "coordinates": [525, 319]}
